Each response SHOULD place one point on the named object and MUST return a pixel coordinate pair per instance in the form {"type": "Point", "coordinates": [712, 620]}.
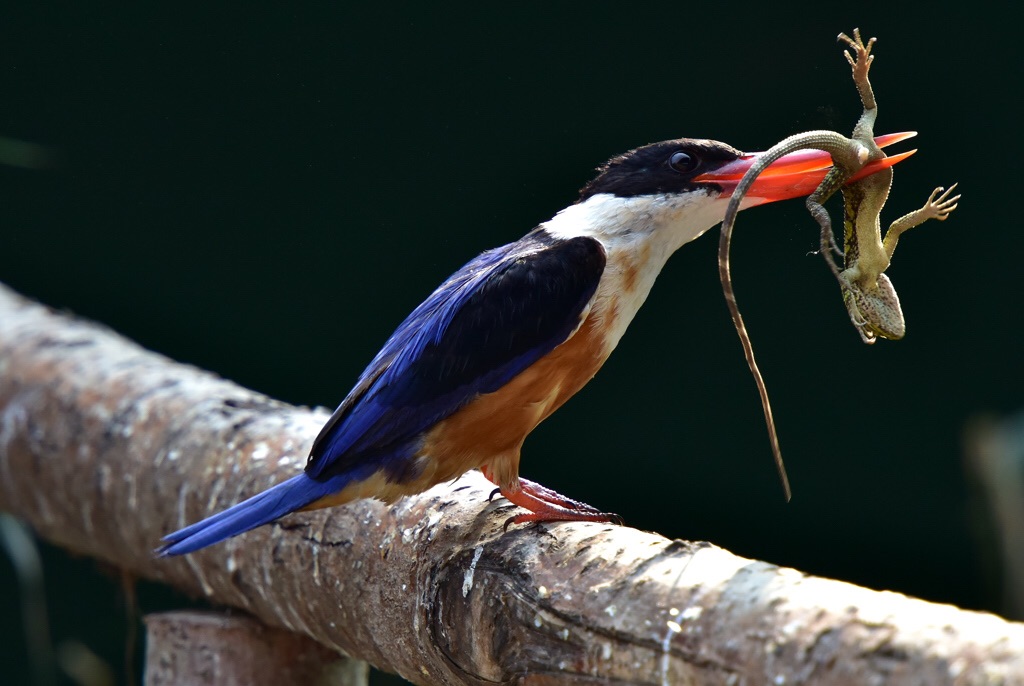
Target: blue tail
{"type": "Point", "coordinates": [287, 496]}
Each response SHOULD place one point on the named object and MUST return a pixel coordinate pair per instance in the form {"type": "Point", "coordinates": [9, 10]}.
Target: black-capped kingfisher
{"type": "Point", "coordinates": [512, 335]}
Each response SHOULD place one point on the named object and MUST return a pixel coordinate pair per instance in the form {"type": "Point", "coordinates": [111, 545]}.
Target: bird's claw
{"type": "Point", "coordinates": [545, 505]}
{"type": "Point", "coordinates": [540, 517]}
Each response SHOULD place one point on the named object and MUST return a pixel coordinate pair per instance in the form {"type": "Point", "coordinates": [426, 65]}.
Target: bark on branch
{"type": "Point", "coordinates": [104, 447]}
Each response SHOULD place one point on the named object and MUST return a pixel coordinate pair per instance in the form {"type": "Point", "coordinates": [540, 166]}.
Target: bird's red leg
{"type": "Point", "coordinates": [555, 498]}
{"type": "Point", "coordinates": [546, 505]}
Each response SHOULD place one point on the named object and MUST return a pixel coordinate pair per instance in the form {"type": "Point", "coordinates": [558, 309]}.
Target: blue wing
{"type": "Point", "coordinates": [490, 320]}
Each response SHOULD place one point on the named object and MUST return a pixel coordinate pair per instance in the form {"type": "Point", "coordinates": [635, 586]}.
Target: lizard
{"type": "Point", "coordinates": [870, 298]}
{"type": "Point", "coordinates": [867, 292]}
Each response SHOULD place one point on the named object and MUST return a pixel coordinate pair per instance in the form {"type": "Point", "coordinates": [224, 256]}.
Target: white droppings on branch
{"type": "Point", "coordinates": [666, 647]}
{"type": "Point", "coordinates": [467, 580]}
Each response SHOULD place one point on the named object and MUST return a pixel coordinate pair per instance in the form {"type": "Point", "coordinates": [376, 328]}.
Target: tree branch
{"type": "Point", "coordinates": [104, 447]}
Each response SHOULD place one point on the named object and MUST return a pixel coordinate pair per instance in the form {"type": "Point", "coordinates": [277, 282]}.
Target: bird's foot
{"type": "Point", "coordinates": [546, 505]}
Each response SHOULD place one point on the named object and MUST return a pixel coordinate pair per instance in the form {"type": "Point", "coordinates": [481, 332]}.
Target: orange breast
{"type": "Point", "coordinates": [489, 431]}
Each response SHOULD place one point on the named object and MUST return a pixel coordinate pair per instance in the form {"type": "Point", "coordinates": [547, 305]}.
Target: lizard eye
{"type": "Point", "coordinates": [683, 162]}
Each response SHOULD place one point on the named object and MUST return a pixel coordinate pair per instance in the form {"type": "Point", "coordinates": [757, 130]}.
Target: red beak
{"type": "Point", "coordinates": [796, 174]}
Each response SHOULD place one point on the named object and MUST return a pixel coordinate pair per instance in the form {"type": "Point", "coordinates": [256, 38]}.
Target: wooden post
{"type": "Point", "coordinates": [197, 648]}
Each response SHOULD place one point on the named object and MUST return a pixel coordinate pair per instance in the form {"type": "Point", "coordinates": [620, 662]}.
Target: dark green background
{"type": "Point", "coordinates": [266, 194]}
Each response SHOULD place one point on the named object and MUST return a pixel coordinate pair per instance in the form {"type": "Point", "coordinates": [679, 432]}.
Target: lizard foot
{"type": "Point", "coordinates": [859, 322]}
{"type": "Point", "coordinates": [829, 245]}
{"type": "Point", "coordinates": [859, 56]}
{"type": "Point", "coordinates": [940, 206]}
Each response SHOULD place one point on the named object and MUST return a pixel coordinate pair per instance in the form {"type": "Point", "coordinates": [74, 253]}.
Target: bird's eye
{"type": "Point", "coordinates": [683, 162]}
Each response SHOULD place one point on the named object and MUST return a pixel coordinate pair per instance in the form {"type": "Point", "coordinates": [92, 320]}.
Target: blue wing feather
{"type": "Point", "coordinates": [490, 320]}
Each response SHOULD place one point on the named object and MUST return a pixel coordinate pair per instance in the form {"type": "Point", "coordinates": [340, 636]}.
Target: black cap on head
{"type": "Point", "coordinates": [665, 167]}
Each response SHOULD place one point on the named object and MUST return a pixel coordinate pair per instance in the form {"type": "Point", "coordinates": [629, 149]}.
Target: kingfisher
{"type": "Point", "coordinates": [512, 335]}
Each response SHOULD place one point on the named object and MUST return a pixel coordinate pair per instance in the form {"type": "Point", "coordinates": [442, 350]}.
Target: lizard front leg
{"type": "Point", "coordinates": [936, 207]}
{"type": "Point", "coordinates": [868, 293]}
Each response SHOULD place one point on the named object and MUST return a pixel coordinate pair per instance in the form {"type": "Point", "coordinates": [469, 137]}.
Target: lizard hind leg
{"type": "Point", "coordinates": [860, 58]}
{"type": "Point", "coordinates": [815, 205]}
{"type": "Point", "coordinates": [852, 299]}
